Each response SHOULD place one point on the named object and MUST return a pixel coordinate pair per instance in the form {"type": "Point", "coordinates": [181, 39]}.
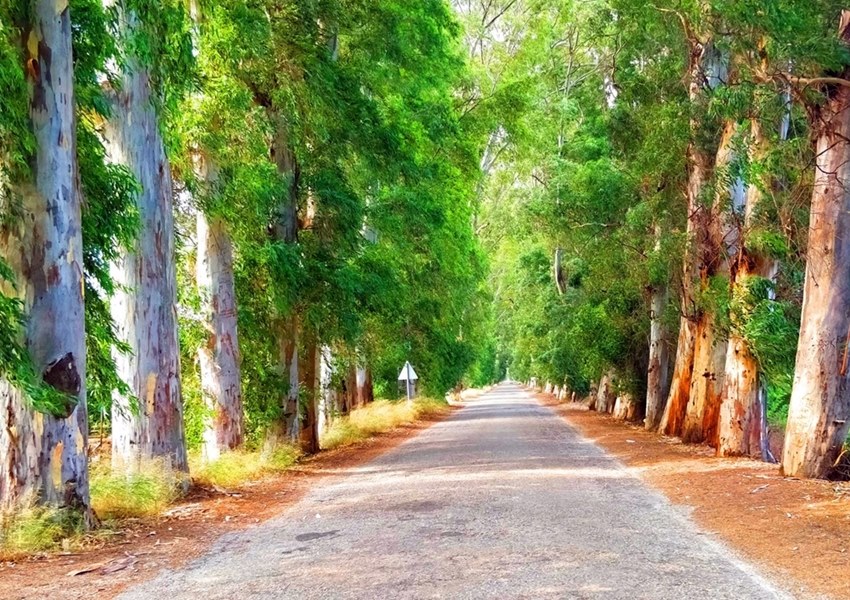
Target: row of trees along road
{"type": "Point", "coordinates": [667, 209]}
{"type": "Point", "coordinates": [224, 222]}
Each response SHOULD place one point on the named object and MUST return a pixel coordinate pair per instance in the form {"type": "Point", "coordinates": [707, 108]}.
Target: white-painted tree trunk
{"type": "Point", "coordinates": [605, 396]}
{"type": "Point", "coordinates": [143, 307]}
{"type": "Point", "coordinates": [43, 458]}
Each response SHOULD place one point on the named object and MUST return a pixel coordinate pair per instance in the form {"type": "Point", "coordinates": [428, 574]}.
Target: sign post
{"type": "Point", "coordinates": [409, 377]}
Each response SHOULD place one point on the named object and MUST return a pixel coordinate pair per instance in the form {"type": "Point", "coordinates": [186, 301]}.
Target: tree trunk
{"type": "Point", "coordinates": [658, 373]}
{"type": "Point", "coordinates": [43, 458]}
{"type": "Point", "coordinates": [349, 395]}
{"type": "Point", "coordinates": [368, 394]}
{"type": "Point", "coordinates": [605, 394]}
{"type": "Point", "coordinates": [328, 396]}
{"type": "Point", "coordinates": [626, 408]}
{"type": "Point", "coordinates": [743, 418]}
{"type": "Point", "coordinates": [819, 414]}
{"type": "Point", "coordinates": [361, 392]}
{"type": "Point", "coordinates": [697, 240]}
{"type": "Point", "coordinates": [143, 307]}
{"type": "Point", "coordinates": [310, 371]}
{"type": "Point", "coordinates": [703, 410]}
{"type": "Point", "coordinates": [219, 357]}
{"type": "Point", "coordinates": [285, 230]}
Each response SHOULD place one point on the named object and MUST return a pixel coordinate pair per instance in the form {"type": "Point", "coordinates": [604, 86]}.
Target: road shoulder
{"type": "Point", "coordinates": [794, 530]}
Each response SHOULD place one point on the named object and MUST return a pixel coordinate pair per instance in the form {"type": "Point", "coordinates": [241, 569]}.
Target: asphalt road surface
{"type": "Point", "coordinates": [502, 500]}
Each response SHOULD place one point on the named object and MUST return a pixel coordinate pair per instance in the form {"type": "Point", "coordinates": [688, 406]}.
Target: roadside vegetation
{"type": "Point", "coordinates": [261, 209]}
{"type": "Point", "coordinates": [146, 493]}
{"type": "Point", "coordinates": [379, 417]}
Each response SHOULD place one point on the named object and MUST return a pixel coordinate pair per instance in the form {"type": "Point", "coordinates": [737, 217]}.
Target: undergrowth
{"type": "Point", "coordinates": [143, 493]}
{"type": "Point", "coordinates": [235, 468]}
{"type": "Point", "coordinates": [378, 417]}
{"type": "Point", "coordinates": [38, 529]}
{"type": "Point", "coordinates": [148, 491]}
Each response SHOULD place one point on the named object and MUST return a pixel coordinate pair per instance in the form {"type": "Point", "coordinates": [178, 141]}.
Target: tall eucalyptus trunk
{"type": "Point", "coordinates": [311, 390]}
{"type": "Point", "coordinates": [658, 372]}
{"type": "Point", "coordinates": [819, 414]}
{"type": "Point", "coordinates": [327, 401]}
{"type": "Point", "coordinates": [286, 328]}
{"type": "Point", "coordinates": [219, 357]}
{"type": "Point", "coordinates": [43, 457]}
{"type": "Point", "coordinates": [703, 410]}
{"type": "Point", "coordinates": [743, 418]}
{"type": "Point", "coordinates": [605, 395]}
{"type": "Point", "coordinates": [143, 307]}
{"type": "Point", "coordinates": [705, 70]}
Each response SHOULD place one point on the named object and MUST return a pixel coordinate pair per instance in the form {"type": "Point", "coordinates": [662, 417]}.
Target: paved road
{"type": "Point", "coordinates": [502, 500]}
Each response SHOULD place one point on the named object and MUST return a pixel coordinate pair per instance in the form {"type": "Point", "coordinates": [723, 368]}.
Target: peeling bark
{"type": "Point", "coordinates": [698, 247]}
{"type": "Point", "coordinates": [219, 358]}
{"type": "Point", "coordinates": [143, 307]}
{"type": "Point", "coordinates": [43, 458]}
{"type": "Point", "coordinates": [703, 410]}
{"type": "Point", "coordinates": [285, 230]}
{"type": "Point", "coordinates": [743, 418]}
{"type": "Point", "coordinates": [658, 372]}
{"type": "Point", "coordinates": [819, 414]}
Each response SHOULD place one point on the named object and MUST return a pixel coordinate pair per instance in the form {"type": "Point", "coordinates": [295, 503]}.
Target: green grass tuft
{"type": "Point", "coordinates": [143, 493]}
{"type": "Point", "coordinates": [233, 469]}
{"type": "Point", "coordinates": [37, 529]}
{"type": "Point", "coordinates": [378, 417]}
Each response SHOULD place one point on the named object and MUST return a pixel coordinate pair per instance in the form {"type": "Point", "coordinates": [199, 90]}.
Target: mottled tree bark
{"type": "Point", "coordinates": [605, 396]}
{"type": "Point", "coordinates": [675, 409]}
{"type": "Point", "coordinates": [743, 419]}
{"type": "Point", "coordinates": [219, 357]}
{"type": "Point", "coordinates": [819, 414]}
{"type": "Point", "coordinates": [658, 372]}
{"type": "Point", "coordinates": [285, 230]}
{"type": "Point", "coordinates": [703, 411]}
{"type": "Point", "coordinates": [703, 63]}
{"type": "Point", "coordinates": [43, 458]}
{"type": "Point", "coordinates": [626, 408]}
{"type": "Point", "coordinates": [143, 307]}
{"type": "Point", "coordinates": [328, 395]}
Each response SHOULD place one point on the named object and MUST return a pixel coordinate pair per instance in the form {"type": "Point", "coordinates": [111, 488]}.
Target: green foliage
{"type": "Point", "coordinates": [16, 366]}
{"type": "Point", "coordinates": [771, 328]}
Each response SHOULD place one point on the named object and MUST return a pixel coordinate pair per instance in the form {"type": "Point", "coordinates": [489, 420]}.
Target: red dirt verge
{"type": "Point", "coordinates": [144, 547]}
{"type": "Point", "coordinates": [797, 531]}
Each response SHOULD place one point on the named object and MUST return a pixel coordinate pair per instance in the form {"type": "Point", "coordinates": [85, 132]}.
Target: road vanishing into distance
{"type": "Point", "coordinates": [502, 500]}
